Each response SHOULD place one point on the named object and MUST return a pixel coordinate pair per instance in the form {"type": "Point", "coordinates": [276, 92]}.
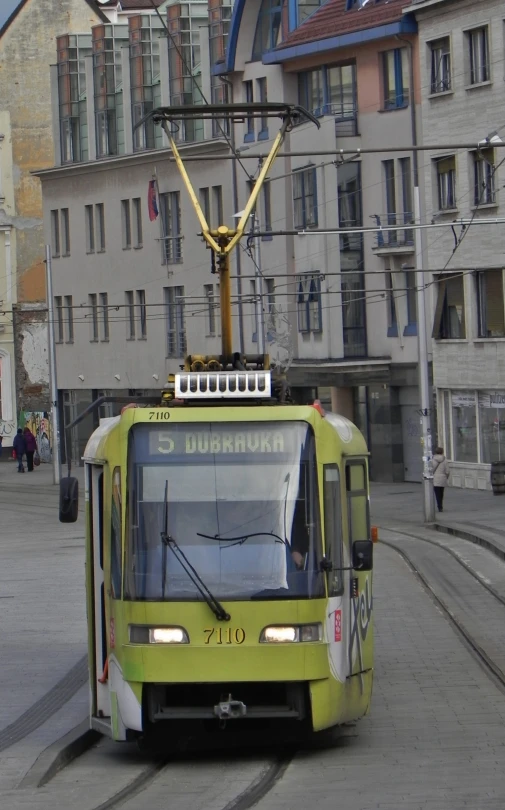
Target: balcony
{"type": "Point", "coordinates": [345, 116]}
{"type": "Point", "coordinates": [399, 239]}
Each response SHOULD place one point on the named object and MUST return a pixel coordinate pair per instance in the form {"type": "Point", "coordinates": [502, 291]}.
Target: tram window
{"type": "Point", "coordinates": [116, 535]}
{"type": "Point", "coordinates": [357, 500]}
{"type": "Point", "coordinates": [333, 528]}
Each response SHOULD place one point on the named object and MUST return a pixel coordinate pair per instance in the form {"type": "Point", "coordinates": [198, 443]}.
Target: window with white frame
{"type": "Point", "coordinates": [104, 307]}
{"type": "Point", "coordinates": [305, 198]}
{"type": "Point", "coordinates": [170, 204]}
{"type": "Point", "coordinates": [217, 205]}
{"type": "Point", "coordinates": [490, 302]}
{"type": "Point", "coordinates": [269, 285]}
{"type": "Point", "coordinates": [70, 318]}
{"type": "Point", "coordinates": [473, 425]}
{"type": "Point", "coordinates": [89, 225]}
{"type": "Point", "coordinates": [483, 177]}
{"type": "Point", "coordinates": [130, 314]}
{"type": "Point", "coordinates": [175, 322]}
{"type": "Point", "coordinates": [126, 229]}
{"type": "Point", "coordinates": [309, 306]}
{"type": "Point", "coordinates": [137, 222]}
{"type": "Point", "coordinates": [210, 309]}
{"type": "Point", "coordinates": [65, 232]}
{"type": "Point", "coordinates": [142, 314]}
{"type": "Point", "coordinates": [100, 227]}
{"type": "Point", "coordinates": [58, 317]}
{"type": "Point", "coordinates": [440, 51]}
{"type": "Point", "coordinates": [449, 320]}
{"type": "Point", "coordinates": [446, 182]}
{"type": "Point", "coordinates": [93, 306]}
{"type": "Point", "coordinates": [478, 53]}
{"type": "Point", "coordinates": [55, 234]}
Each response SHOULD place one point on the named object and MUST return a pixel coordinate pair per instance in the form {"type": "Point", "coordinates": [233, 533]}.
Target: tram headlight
{"type": "Point", "coordinates": [281, 634]}
{"type": "Point", "coordinates": [141, 634]}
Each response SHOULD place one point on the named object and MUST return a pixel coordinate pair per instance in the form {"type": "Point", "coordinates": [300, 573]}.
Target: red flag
{"type": "Point", "coordinates": [151, 201]}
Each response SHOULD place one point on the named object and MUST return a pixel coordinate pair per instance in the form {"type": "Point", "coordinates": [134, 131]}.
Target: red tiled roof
{"type": "Point", "coordinates": [332, 19]}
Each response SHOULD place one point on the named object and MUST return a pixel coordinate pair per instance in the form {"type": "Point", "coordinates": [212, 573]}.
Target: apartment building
{"type": "Point", "coordinates": [133, 287]}
{"type": "Point", "coordinates": [339, 311]}
{"type": "Point", "coordinates": [353, 298]}
{"type": "Point", "coordinates": [461, 47]}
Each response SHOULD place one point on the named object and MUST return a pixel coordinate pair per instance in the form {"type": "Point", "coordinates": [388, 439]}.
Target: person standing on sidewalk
{"type": "Point", "coordinates": [31, 447]}
{"type": "Point", "coordinates": [440, 477]}
{"type": "Point", "coordinates": [19, 446]}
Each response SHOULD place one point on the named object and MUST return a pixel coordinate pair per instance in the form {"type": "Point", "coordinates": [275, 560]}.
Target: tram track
{"type": "Point", "coordinates": [487, 654]}
{"type": "Point", "coordinates": [145, 784]}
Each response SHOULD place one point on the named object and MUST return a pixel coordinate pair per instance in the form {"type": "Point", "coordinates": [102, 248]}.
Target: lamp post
{"type": "Point", "coordinates": [52, 369]}
{"type": "Point", "coordinates": [424, 385]}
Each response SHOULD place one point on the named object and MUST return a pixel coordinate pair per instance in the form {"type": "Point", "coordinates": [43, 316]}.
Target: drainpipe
{"type": "Point", "coordinates": [236, 208]}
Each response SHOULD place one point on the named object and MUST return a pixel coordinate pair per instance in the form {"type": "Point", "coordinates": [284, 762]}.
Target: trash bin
{"type": "Point", "coordinates": [498, 477]}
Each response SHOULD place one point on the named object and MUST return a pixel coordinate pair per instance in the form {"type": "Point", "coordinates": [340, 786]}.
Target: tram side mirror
{"type": "Point", "coordinates": [69, 500]}
{"type": "Point", "coordinates": [362, 555]}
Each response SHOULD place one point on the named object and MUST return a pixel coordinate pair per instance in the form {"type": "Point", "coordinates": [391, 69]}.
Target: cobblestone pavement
{"type": "Point", "coordinates": [435, 738]}
{"type": "Point", "coordinates": [42, 610]}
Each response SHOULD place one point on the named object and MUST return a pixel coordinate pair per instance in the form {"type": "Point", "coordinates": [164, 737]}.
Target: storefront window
{"type": "Point", "coordinates": [492, 425]}
{"type": "Point", "coordinates": [464, 424]}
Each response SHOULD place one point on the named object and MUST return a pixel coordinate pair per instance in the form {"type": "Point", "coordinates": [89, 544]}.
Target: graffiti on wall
{"type": "Point", "coordinates": [40, 425]}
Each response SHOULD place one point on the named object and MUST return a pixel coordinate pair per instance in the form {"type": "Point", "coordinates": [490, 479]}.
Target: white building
{"type": "Point", "coordinates": [133, 295]}
{"type": "Point", "coordinates": [461, 62]}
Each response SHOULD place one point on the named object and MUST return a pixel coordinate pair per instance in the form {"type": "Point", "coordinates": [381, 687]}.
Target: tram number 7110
{"type": "Point", "coordinates": [224, 635]}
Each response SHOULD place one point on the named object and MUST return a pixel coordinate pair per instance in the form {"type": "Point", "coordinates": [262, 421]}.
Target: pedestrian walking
{"type": "Point", "coordinates": [31, 447]}
{"type": "Point", "coordinates": [440, 477]}
{"type": "Point", "coordinates": [19, 446]}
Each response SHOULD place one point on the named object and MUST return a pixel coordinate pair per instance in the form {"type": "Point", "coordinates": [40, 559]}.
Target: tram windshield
{"type": "Point", "coordinates": [239, 499]}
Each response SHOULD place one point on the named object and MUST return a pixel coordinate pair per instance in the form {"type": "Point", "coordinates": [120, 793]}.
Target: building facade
{"type": "Point", "coordinates": [353, 296]}
{"type": "Point", "coordinates": [339, 310]}
{"type": "Point", "coordinates": [461, 46]}
{"type": "Point", "coordinates": [26, 51]}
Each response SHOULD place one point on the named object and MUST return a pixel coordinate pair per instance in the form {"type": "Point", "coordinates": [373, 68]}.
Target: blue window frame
{"type": "Point", "coordinates": [268, 28]}
{"type": "Point", "coordinates": [411, 290]}
{"type": "Point", "coordinates": [329, 90]}
{"type": "Point", "coordinates": [249, 122]}
{"type": "Point", "coordinates": [305, 198]}
{"type": "Point", "coordinates": [395, 74]}
{"type": "Point", "coordinates": [310, 316]}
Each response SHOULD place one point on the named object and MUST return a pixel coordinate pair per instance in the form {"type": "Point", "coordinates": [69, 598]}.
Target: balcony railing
{"type": "Point", "coordinates": [171, 249]}
{"type": "Point", "coordinates": [345, 115]}
{"type": "Point", "coordinates": [400, 237]}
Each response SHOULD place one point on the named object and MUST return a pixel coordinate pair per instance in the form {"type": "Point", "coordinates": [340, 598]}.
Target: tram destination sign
{"type": "Point", "coordinates": [198, 442]}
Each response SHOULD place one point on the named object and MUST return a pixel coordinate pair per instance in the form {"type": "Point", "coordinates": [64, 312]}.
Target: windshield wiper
{"type": "Point", "coordinates": [170, 542]}
{"type": "Point", "coordinates": [237, 541]}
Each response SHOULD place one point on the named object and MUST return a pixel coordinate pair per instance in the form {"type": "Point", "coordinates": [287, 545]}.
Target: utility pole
{"type": "Point", "coordinates": [424, 386]}
{"type": "Point", "coordinates": [260, 312]}
{"type": "Point", "coordinates": [52, 369]}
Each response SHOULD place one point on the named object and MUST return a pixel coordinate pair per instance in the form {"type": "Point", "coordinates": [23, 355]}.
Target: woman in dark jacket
{"type": "Point", "coordinates": [19, 446]}
{"type": "Point", "coordinates": [31, 446]}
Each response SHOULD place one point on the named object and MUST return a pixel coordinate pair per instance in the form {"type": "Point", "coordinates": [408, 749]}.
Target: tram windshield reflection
{"type": "Point", "coordinates": [241, 503]}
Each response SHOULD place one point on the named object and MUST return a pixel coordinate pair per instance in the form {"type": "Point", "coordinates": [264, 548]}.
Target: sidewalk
{"type": "Point", "coordinates": [473, 514]}
{"type": "Point", "coordinates": [42, 621]}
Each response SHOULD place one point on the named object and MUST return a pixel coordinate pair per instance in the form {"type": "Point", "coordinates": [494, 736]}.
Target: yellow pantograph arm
{"type": "Point", "coordinates": [257, 187]}
{"type": "Point", "coordinates": [194, 199]}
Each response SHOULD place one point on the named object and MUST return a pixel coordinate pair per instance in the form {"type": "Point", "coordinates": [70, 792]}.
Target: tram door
{"type": "Point", "coordinates": [336, 625]}
{"type": "Point", "coordinates": [100, 700]}
{"type": "Point", "coordinates": [358, 517]}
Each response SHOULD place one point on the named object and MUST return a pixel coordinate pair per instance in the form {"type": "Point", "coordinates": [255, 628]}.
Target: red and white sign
{"type": "Point", "coordinates": [112, 635]}
{"type": "Point", "coordinates": [338, 625]}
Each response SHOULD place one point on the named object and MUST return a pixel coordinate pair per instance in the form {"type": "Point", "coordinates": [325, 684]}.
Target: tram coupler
{"type": "Point", "coordinates": [230, 709]}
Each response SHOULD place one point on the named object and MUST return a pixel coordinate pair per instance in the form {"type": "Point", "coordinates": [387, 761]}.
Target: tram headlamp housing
{"type": "Point", "coordinates": [142, 634]}
{"type": "Point", "coordinates": [282, 634]}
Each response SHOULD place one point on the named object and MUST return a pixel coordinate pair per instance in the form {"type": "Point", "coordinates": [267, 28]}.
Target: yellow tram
{"type": "Point", "coordinates": [228, 557]}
